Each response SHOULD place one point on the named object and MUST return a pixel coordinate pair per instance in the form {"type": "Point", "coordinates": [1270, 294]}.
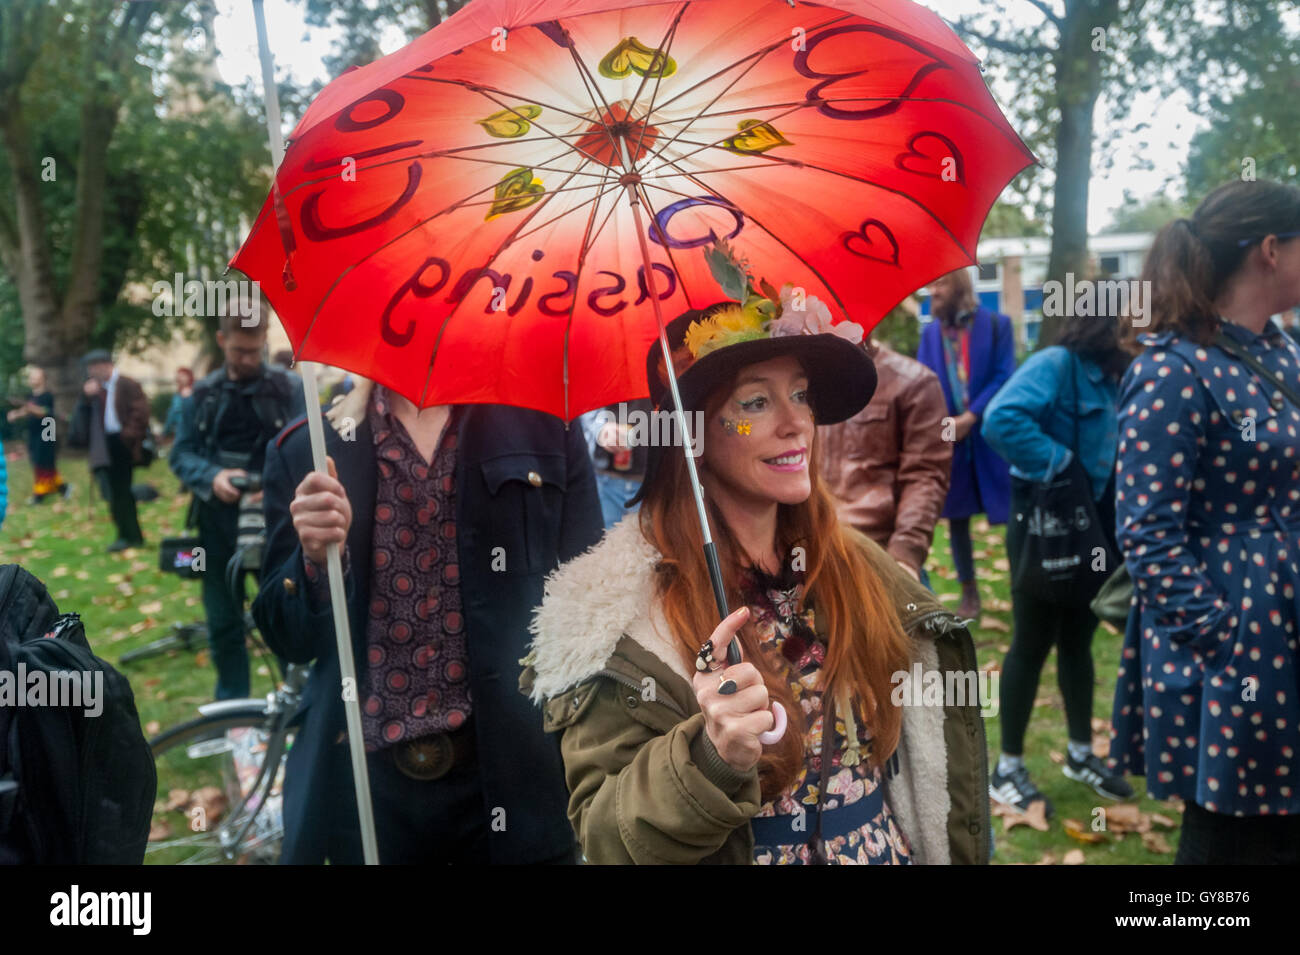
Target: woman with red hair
{"type": "Point", "coordinates": [663, 745]}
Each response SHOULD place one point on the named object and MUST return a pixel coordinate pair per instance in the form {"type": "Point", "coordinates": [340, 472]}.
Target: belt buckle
{"type": "Point", "coordinates": [426, 759]}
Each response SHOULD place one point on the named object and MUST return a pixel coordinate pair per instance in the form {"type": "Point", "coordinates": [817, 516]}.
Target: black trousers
{"type": "Point", "coordinates": [435, 822]}
{"type": "Point", "coordinates": [1038, 626]}
{"type": "Point", "coordinates": [224, 610]}
{"type": "Point", "coordinates": [115, 486]}
{"type": "Point", "coordinates": [1213, 838]}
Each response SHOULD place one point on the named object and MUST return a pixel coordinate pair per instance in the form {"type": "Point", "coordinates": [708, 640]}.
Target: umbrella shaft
{"type": "Point", "coordinates": [710, 550]}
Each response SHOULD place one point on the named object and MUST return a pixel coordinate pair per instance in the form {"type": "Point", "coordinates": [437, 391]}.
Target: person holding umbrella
{"type": "Point", "coordinates": [664, 744]}
{"type": "Point", "coordinates": [449, 519]}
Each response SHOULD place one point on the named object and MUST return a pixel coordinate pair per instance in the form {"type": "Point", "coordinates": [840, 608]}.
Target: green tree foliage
{"type": "Point", "coordinates": [124, 162]}
{"type": "Point", "coordinates": [1084, 51]}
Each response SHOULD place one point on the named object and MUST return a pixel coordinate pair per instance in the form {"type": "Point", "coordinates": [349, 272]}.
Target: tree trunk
{"type": "Point", "coordinates": [1078, 84]}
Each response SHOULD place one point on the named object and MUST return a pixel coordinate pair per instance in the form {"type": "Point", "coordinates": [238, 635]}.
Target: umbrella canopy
{"type": "Point", "coordinates": [453, 220]}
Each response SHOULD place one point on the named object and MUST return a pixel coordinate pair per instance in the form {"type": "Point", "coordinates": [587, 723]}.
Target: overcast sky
{"type": "Point", "coordinates": [298, 49]}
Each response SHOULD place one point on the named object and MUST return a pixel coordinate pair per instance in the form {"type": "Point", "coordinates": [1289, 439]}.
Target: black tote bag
{"type": "Point", "coordinates": [1060, 535]}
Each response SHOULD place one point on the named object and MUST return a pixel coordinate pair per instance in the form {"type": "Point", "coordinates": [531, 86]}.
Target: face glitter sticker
{"type": "Point", "coordinates": [743, 426]}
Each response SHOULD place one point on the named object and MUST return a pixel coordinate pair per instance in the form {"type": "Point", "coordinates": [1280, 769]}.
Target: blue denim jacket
{"type": "Point", "coordinates": [1031, 420]}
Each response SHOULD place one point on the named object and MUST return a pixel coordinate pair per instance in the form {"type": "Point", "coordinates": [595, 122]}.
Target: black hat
{"type": "Point", "coordinates": [841, 375]}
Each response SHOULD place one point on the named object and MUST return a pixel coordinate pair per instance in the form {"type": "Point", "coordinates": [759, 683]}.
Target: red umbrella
{"type": "Point", "coordinates": [453, 219]}
{"type": "Point", "coordinates": [504, 210]}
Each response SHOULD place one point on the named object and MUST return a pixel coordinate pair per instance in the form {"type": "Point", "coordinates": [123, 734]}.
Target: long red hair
{"type": "Point", "coordinates": [866, 644]}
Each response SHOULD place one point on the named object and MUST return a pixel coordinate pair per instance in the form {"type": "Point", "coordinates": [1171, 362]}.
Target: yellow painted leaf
{"type": "Point", "coordinates": [519, 189]}
{"type": "Point", "coordinates": [755, 137]}
{"type": "Point", "coordinates": [633, 56]}
{"type": "Point", "coordinates": [512, 122]}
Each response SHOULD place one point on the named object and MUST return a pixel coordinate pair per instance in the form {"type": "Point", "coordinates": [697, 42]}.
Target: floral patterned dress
{"type": "Point", "coordinates": [857, 826]}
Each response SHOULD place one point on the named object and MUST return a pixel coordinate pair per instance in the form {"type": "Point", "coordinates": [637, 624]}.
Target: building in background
{"type": "Point", "coordinates": [1012, 271]}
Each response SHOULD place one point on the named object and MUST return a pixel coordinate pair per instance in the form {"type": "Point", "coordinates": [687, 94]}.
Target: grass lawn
{"type": "Point", "coordinates": [126, 602]}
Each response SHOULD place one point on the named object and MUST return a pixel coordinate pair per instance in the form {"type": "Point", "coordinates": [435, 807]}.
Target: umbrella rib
{"type": "Point", "coordinates": [371, 254]}
{"type": "Point", "coordinates": [758, 58]}
{"type": "Point", "coordinates": [779, 241]}
{"type": "Point", "coordinates": [604, 191]}
{"type": "Point", "coordinates": [577, 281]}
{"type": "Point", "coordinates": [800, 164]}
{"type": "Point", "coordinates": [760, 53]}
{"type": "Point", "coordinates": [480, 88]}
{"type": "Point", "coordinates": [665, 45]}
{"type": "Point", "coordinates": [645, 198]}
{"type": "Point", "coordinates": [588, 84]}
{"type": "Point", "coordinates": [501, 247]}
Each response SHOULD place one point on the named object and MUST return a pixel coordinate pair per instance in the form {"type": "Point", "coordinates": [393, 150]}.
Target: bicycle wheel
{"type": "Point", "coordinates": [220, 782]}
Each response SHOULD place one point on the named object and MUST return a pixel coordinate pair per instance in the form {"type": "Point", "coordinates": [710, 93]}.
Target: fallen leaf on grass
{"type": "Point", "coordinates": [1156, 842]}
{"type": "Point", "coordinates": [201, 659]}
{"type": "Point", "coordinates": [152, 682]}
{"type": "Point", "coordinates": [152, 728]}
{"type": "Point", "coordinates": [211, 800]}
{"type": "Point", "coordinates": [1101, 744]}
{"type": "Point", "coordinates": [140, 627]}
{"type": "Point", "coordinates": [1125, 817]}
{"type": "Point", "coordinates": [993, 666]}
{"type": "Point", "coordinates": [993, 623]}
{"type": "Point", "coordinates": [60, 571]}
{"type": "Point", "coordinates": [1035, 817]}
{"type": "Point", "coordinates": [1073, 857]}
{"type": "Point", "coordinates": [1099, 725]}
{"type": "Point", "coordinates": [949, 598]}
{"type": "Point", "coordinates": [1054, 756]}
{"type": "Point", "coordinates": [1048, 858]}
{"type": "Point", "coordinates": [177, 799]}
{"type": "Point", "coordinates": [152, 607]}
{"type": "Point", "coordinates": [1160, 820]}
{"type": "Point", "coordinates": [159, 829]}
{"type": "Point", "coordinates": [1002, 564]}
{"type": "Point", "coordinates": [1080, 833]}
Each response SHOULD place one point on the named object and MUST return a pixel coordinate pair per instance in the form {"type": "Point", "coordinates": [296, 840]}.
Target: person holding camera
{"type": "Point", "coordinates": [221, 440]}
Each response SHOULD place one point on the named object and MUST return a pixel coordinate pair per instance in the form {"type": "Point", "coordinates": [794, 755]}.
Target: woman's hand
{"type": "Point", "coordinates": [321, 513]}
{"type": "Point", "coordinates": [734, 722]}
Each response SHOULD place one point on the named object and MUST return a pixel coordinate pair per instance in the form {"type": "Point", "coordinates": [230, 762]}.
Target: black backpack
{"type": "Point", "coordinates": [74, 788]}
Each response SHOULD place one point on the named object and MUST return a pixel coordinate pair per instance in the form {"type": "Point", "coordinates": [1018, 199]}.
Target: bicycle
{"type": "Point", "coordinates": [232, 756]}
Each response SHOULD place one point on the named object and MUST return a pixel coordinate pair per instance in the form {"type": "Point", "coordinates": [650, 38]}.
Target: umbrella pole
{"type": "Point", "coordinates": [710, 550]}
{"type": "Point", "coordinates": [316, 431]}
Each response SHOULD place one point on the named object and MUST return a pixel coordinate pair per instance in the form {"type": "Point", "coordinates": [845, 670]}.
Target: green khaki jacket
{"type": "Point", "coordinates": [646, 784]}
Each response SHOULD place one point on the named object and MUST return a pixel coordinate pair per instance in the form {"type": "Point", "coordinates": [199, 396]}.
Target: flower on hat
{"type": "Point", "coordinates": [808, 315]}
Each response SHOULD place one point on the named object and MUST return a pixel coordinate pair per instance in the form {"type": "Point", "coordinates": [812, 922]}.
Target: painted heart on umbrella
{"type": "Point", "coordinates": [633, 56]}
{"type": "Point", "coordinates": [519, 189]}
{"type": "Point", "coordinates": [870, 242]}
{"type": "Point", "coordinates": [755, 138]}
{"type": "Point", "coordinates": [937, 160]}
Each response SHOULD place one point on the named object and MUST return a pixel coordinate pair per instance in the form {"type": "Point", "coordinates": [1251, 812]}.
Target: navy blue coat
{"type": "Point", "coordinates": [539, 527]}
{"type": "Point", "coordinates": [992, 361]}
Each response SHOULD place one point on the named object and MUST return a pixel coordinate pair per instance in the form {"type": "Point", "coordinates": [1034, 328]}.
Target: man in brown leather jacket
{"type": "Point", "coordinates": [888, 466]}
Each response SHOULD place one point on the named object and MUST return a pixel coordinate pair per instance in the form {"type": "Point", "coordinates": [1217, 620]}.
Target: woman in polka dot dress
{"type": "Point", "coordinates": [1207, 703]}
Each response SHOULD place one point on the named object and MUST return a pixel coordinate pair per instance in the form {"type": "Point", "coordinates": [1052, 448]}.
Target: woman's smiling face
{"type": "Point", "coordinates": [758, 444]}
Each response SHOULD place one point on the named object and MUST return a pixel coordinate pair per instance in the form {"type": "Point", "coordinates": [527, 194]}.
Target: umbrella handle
{"type": "Point", "coordinates": [778, 728]}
